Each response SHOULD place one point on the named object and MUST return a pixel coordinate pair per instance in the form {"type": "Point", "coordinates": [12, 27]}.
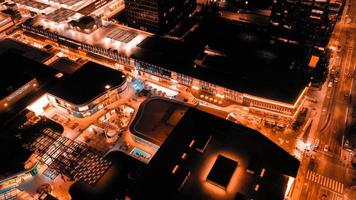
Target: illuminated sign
{"type": "Point", "coordinates": [18, 91]}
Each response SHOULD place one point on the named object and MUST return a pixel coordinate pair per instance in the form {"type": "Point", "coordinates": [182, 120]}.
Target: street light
{"type": "Point", "coordinates": [107, 87]}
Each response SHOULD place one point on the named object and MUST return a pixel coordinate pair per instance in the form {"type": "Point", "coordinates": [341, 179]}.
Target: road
{"type": "Point", "coordinates": [326, 172]}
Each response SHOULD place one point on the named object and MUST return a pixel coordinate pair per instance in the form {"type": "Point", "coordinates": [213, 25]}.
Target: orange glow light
{"type": "Point", "coordinates": [236, 181]}
{"type": "Point", "coordinates": [262, 172]}
{"type": "Point", "coordinates": [257, 187]}
{"type": "Point", "coordinates": [184, 156]}
{"type": "Point", "coordinates": [175, 169]}
{"type": "Point", "coordinates": [191, 143]}
{"type": "Point", "coordinates": [276, 102]}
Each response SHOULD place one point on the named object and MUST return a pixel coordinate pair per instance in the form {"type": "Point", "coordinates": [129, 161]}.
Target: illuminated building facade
{"type": "Point", "coordinates": [157, 16]}
{"type": "Point", "coordinates": [284, 112]}
{"type": "Point", "coordinates": [88, 90]}
{"type": "Point", "coordinates": [5, 21]}
{"type": "Point", "coordinates": [304, 21]}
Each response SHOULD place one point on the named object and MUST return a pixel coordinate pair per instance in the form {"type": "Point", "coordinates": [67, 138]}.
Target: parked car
{"type": "Point", "coordinates": [326, 148]}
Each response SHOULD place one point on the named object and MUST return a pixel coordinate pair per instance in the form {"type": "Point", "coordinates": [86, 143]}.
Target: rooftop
{"type": "Point", "coordinates": [65, 65]}
{"type": "Point", "coordinates": [97, 4]}
{"type": "Point", "coordinates": [67, 2]}
{"type": "Point", "coordinates": [22, 71]}
{"type": "Point", "coordinates": [61, 15]}
{"type": "Point", "coordinates": [33, 4]}
{"type": "Point", "coordinates": [109, 36]}
{"type": "Point", "coordinates": [238, 57]}
{"type": "Point", "coordinates": [183, 163]}
{"type": "Point", "coordinates": [156, 119]}
{"type": "Point", "coordinates": [87, 83]}
{"type": "Point", "coordinates": [24, 50]}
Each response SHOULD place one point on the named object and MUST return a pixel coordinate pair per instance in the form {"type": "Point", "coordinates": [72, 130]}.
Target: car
{"type": "Point", "coordinates": [326, 148]}
{"type": "Point", "coordinates": [330, 84]}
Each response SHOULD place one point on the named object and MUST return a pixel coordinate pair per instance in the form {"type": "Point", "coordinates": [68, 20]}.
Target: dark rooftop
{"type": "Point", "coordinates": [243, 59]}
{"type": "Point", "coordinates": [222, 171]}
{"type": "Point", "coordinates": [87, 83]}
{"type": "Point", "coordinates": [65, 65]}
{"type": "Point", "coordinates": [24, 50]}
{"type": "Point", "coordinates": [156, 119]}
{"type": "Point", "coordinates": [13, 164]}
{"type": "Point", "coordinates": [235, 142]}
{"type": "Point", "coordinates": [18, 70]}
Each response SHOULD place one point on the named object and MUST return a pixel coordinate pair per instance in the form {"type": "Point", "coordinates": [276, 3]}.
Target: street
{"type": "Point", "coordinates": [326, 173]}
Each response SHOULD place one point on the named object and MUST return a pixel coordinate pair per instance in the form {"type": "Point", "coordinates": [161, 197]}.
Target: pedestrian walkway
{"type": "Point", "coordinates": [325, 181]}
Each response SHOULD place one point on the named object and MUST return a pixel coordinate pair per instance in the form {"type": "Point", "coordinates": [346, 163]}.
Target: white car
{"type": "Point", "coordinates": [326, 148]}
{"type": "Point", "coordinates": [330, 84]}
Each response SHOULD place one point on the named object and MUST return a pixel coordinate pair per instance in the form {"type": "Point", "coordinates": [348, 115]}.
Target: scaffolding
{"type": "Point", "coordinates": [64, 156]}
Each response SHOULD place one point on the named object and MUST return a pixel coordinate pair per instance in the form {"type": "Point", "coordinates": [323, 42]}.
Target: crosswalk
{"type": "Point", "coordinates": [325, 181]}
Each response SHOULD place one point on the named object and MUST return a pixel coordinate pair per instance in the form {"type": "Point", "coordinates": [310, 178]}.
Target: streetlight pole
{"type": "Point", "coordinates": [107, 87]}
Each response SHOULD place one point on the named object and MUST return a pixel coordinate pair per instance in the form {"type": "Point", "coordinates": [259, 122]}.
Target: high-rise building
{"type": "Point", "coordinates": [305, 21]}
{"type": "Point", "coordinates": [157, 16]}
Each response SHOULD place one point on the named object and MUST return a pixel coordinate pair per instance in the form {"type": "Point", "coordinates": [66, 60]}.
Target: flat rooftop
{"type": "Point", "coordinates": [222, 171]}
{"type": "Point", "coordinates": [87, 83]}
{"type": "Point", "coordinates": [67, 2]}
{"type": "Point", "coordinates": [156, 118]}
{"type": "Point", "coordinates": [65, 65]}
{"type": "Point", "coordinates": [238, 57]}
{"type": "Point", "coordinates": [29, 52]}
{"type": "Point", "coordinates": [32, 4]}
{"type": "Point", "coordinates": [21, 71]}
{"type": "Point", "coordinates": [60, 15]}
{"type": "Point", "coordinates": [108, 36]}
{"type": "Point", "coordinates": [180, 168]}
{"type": "Point", "coordinates": [97, 4]}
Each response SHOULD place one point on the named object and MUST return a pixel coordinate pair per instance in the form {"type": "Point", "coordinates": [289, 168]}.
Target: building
{"type": "Point", "coordinates": [87, 90]}
{"type": "Point", "coordinates": [157, 16]}
{"type": "Point", "coordinates": [155, 119]}
{"type": "Point", "coordinates": [101, 8]}
{"type": "Point", "coordinates": [34, 6]}
{"type": "Point", "coordinates": [206, 157]}
{"type": "Point", "coordinates": [18, 169]}
{"type": "Point", "coordinates": [85, 24]}
{"type": "Point", "coordinates": [22, 80]}
{"type": "Point", "coordinates": [304, 21]}
{"type": "Point", "coordinates": [5, 22]}
{"type": "Point", "coordinates": [273, 76]}
{"type": "Point", "coordinates": [269, 78]}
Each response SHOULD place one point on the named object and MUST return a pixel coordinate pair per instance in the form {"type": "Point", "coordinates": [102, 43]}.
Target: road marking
{"type": "Point", "coordinates": [325, 181]}
{"type": "Point", "coordinates": [319, 178]}
{"type": "Point", "coordinates": [308, 174]}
